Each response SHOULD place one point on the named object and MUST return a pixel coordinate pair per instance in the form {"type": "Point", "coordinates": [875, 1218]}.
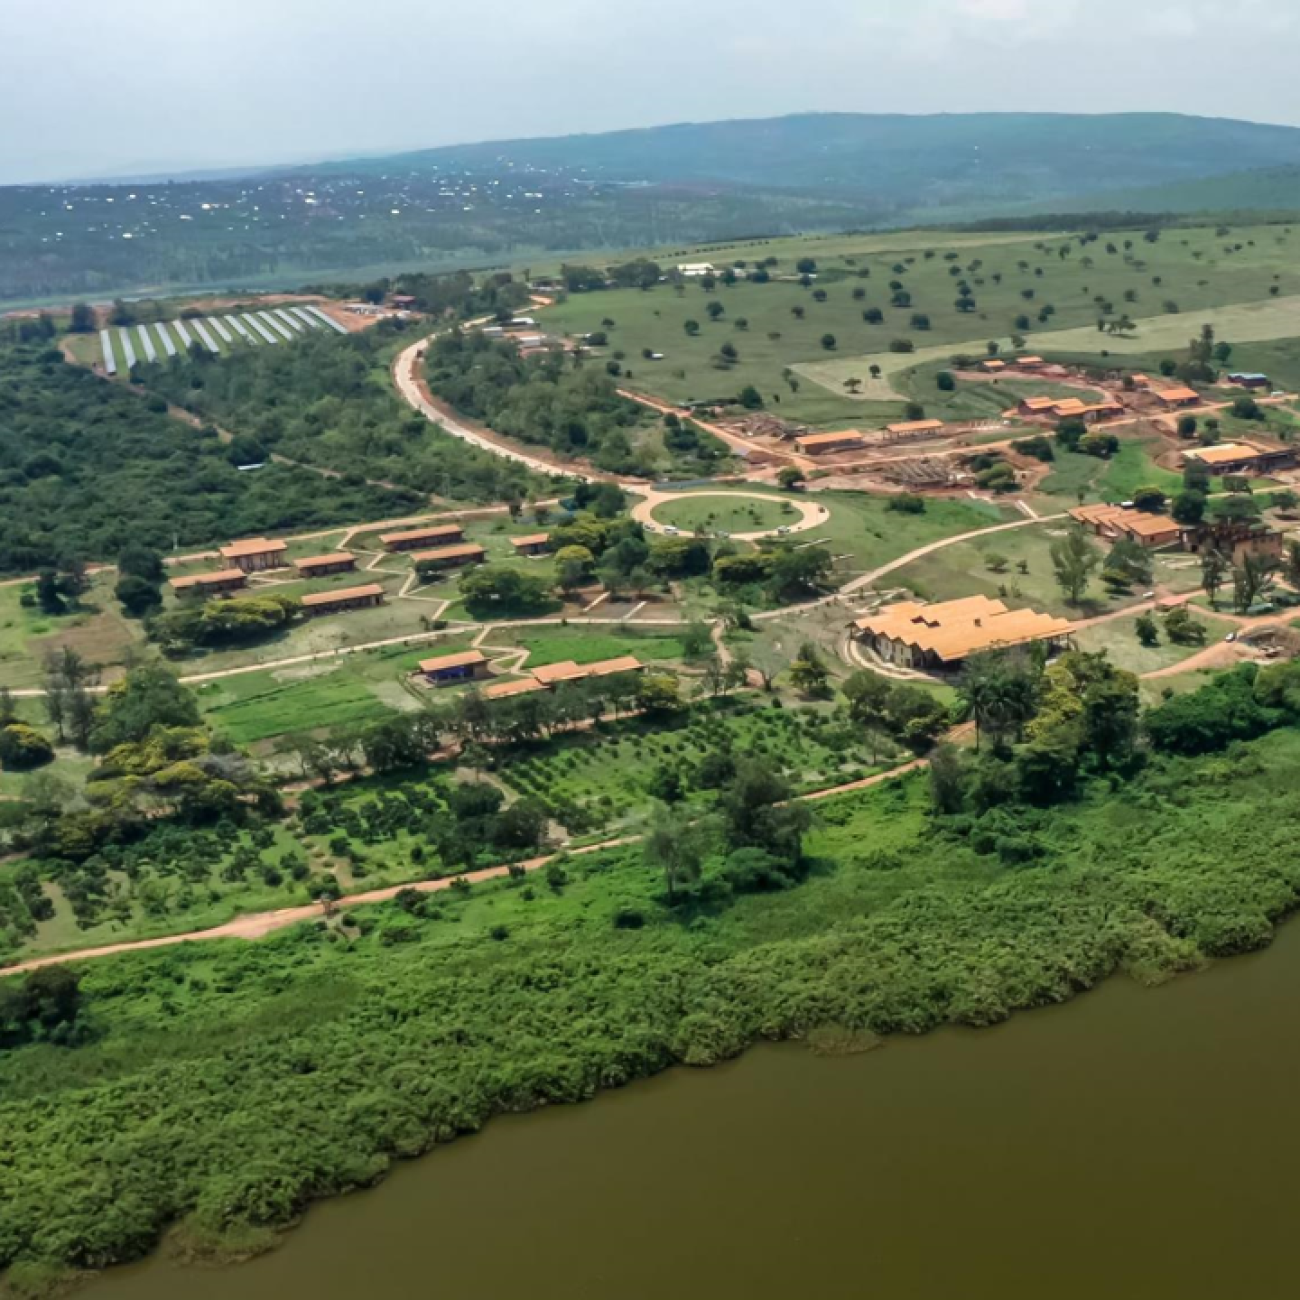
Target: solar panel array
{"type": "Point", "coordinates": [215, 333]}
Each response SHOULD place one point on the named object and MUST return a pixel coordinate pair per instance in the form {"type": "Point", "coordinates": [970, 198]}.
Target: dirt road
{"type": "Point", "coordinates": [258, 925]}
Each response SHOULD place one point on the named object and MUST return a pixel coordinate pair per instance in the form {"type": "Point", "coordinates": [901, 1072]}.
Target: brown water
{"type": "Point", "coordinates": [1136, 1144]}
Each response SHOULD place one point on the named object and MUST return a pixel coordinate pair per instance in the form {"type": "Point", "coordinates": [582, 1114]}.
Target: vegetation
{"type": "Point", "coordinates": [328, 401]}
{"type": "Point", "coordinates": [88, 469]}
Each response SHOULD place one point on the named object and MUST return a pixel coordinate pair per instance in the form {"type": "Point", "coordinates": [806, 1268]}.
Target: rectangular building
{"type": "Point", "coordinates": [347, 598]}
{"type": "Point", "coordinates": [450, 557]}
{"type": "Point", "coordinates": [210, 584]}
{"type": "Point", "coordinates": [533, 544]}
{"type": "Point", "coordinates": [913, 429]}
{"type": "Point", "coordinates": [319, 566]}
{"type": "Point", "coordinates": [468, 666]}
{"type": "Point", "coordinates": [1240, 458]}
{"type": "Point", "coordinates": [822, 444]}
{"type": "Point", "coordinates": [255, 555]}
{"type": "Point", "coordinates": [417, 538]}
{"type": "Point", "coordinates": [1176, 398]}
{"type": "Point", "coordinates": [1249, 380]}
{"type": "Point", "coordinates": [520, 686]}
{"type": "Point", "coordinates": [941, 637]}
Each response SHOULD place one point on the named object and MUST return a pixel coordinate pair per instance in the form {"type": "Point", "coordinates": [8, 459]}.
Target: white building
{"type": "Point", "coordinates": [693, 270]}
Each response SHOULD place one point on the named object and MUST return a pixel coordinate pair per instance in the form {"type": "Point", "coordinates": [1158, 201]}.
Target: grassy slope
{"type": "Point", "coordinates": [1193, 267]}
{"type": "Point", "coordinates": [289, 1066]}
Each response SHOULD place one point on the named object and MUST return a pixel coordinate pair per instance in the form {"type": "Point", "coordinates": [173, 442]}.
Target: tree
{"type": "Point", "coordinates": [715, 309]}
{"type": "Point", "coordinates": [1189, 508]}
{"type": "Point", "coordinates": [868, 698]}
{"type": "Point", "coordinates": [692, 327]}
{"type": "Point", "coordinates": [149, 696]}
{"type": "Point", "coordinates": [137, 596]}
{"type": "Point", "coordinates": [1148, 634]}
{"type": "Point", "coordinates": [790, 477]}
{"type": "Point", "coordinates": [1250, 578]}
{"type": "Point", "coordinates": [808, 672]}
{"type": "Point", "coordinates": [1291, 562]}
{"type": "Point", "coordinates": [82, 320]}
{"type": "Point", "coordinates": [23, 748]}
{"type": "Point", "coordinates": [947, 780]}
{"type": "Point", "coordinates": [1214, 568]}
{"type": "Point", "coordinates": [758, 812]}
{"type": "Point", "coordinates": [1130, 559]}
{"type": "Point", "coordinates": [945, 381]}
{"type": "Point", "coordinates": [828, 342]}
{"type": "Point", "coordinates": [674, 847]}
{"type": "Point", "coordinates": [1073, 560]}
{"type": "Point", "coordinates": [1150, 498]}
{"type": "Point", "coordinates": [999, 689]}
{"type": "Point", "coordinates": [750, 398]}
{"type": "Point", "coordinates": [500, 589]}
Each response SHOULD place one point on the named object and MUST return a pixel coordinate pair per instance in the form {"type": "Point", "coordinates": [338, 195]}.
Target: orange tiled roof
{"type": "Point", "coordinates": [464, 659]}
{"type": "Point", "coordinates": [956, 629]}
{"type": "Point", "coordinates": [317, 598]}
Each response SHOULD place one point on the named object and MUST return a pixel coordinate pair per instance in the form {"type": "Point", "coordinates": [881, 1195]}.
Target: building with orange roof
{"type": "Point", "coordinates": [942, 637]}
{"type": "Point", "coordinates": [417, 538]}
{"type": "Point", "coordinates": [532, 544]}
{"type": "Point", "coordinates": [319, 566]}
{"type": "Point", "coordinates": [1177, 397]}
{"type": "Point", "coordinates": [993, 365]}
{"type": "Point", "coordinates": [467, 666]}
{"type": "Point", "coordinates": [1240, 458]}
{"type": "Point", "coordinates": [1141, 526]}
{"type": "Point", "coordinates": [255, 554]}
{"type": "Point", "coordinates": [449, 557]}
{"type": "Point", "coordinates": [520, 686]}
{"type": "Point", "coordinates": [346, 598]}
{"type": "Point", "coordinates": [1029, 363]}
{"type": "Point", "coordinates": [210, 584]}
{"type": "Point", "coordinates": [822, 444]}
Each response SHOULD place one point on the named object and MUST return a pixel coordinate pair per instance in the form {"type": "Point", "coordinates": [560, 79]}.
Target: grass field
{"type": "Point", "coordinates": [716, 514]}
{"type": "Point", "coordinates": [1119, 640]}
{"type": "Point", "coordinates": [1203, 274]}
{"type": "Point", "coordinates": [589, 645]}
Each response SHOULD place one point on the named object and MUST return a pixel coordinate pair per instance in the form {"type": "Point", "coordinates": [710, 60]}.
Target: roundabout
{"type": "Point", "coordinates": [744, 516]}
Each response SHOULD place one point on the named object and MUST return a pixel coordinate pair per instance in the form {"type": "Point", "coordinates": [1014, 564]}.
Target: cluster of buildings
{"type": "Point", "coordinates": [1231, 537]}
{"type": "Point", "coordinates": [1070, 408]}
{"type": "Point", "coordinates": [473, 665]}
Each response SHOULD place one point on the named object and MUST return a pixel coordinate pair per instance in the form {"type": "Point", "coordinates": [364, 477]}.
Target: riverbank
{"type": "Point", "coordinates": [225, 1087]}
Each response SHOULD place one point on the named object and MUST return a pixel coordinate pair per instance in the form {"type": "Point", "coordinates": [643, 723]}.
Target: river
{"type": "Point", "coordinates": [1137, 1144]}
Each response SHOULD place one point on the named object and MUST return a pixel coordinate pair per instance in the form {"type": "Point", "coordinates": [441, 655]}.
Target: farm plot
{"type": "Point", "coordinates": [595, 780]}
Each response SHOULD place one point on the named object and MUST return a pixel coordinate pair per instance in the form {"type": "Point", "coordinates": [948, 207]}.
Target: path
{"type": "Point", "coordinates": [412, 388]}
{"type": "Point", "coordinates": [257, 925]}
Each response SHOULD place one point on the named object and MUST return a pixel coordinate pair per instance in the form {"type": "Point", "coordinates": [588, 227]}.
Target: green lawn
{"type": "Point", "coordinates": [714, 513]}
{"type": "Point", "coordinates": [589, 645]}
{"type": "Point", "coordinates": [965, 569]}
{"type": "Point", "coordinates": [1132, 467]}
{"type": "Point", "coordinates": [1119, 640]}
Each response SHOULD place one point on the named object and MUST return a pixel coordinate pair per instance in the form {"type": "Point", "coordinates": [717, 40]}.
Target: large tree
{"type": "Point", "coordinates": [1074, 560]}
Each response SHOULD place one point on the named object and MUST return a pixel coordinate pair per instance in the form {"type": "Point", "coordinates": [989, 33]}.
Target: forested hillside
{"type": "Point", "coordinates": [87, 467]}
{"type": "Point", "coordinates": [574, 409]}
{"type": "Point", "coordinates": [329, 401]}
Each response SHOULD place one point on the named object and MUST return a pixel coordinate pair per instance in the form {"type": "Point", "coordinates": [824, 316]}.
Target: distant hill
{"type": "Point", "coordinates": [894, 161]}
{"type": "Point", "coordinates": [671, 186]}
{"type": "Point", "coordinates": [1264, 190]}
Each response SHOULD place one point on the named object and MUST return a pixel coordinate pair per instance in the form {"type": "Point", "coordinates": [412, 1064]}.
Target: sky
{"type": "Point", "coordinates": [92, 88]}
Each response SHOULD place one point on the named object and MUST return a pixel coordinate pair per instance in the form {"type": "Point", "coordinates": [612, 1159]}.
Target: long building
{"type": "Point", "coordinates": [469, 665]}
{"type": "Point", "coordinates": [210, 584]}
{"type": "Point", "coordinates": [1240, 458]}
{"type": "Point", "coordinates": [941, 637]}
{"type": "Point", "coordinates": [255, 554]}
{"type": "Point", "coordinates": [450, 557]}
{"type": "Point", "coordinates": [319, 566]}
{"type": "Point", "coordinates": [423, 538]}
{"type": "Point", "coordinates": [824, 444]}
{"type": "Point", "coordinates": [346, 598]}
{"type": "Point", "coordinates": [549, 676]}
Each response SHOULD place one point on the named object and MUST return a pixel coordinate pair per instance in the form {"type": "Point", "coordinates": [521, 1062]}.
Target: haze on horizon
{"type": "Point", "coordinates": [118, 89]}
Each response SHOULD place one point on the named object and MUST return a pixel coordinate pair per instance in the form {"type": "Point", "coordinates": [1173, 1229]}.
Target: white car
{"type": "Point", "coordinates": [671, 531]}
{"type": "Point", "coordinates": [783, 530]}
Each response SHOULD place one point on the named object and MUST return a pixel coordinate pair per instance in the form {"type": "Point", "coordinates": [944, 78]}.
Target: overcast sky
{"type": "Point", "coordinates": [102, 87]}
